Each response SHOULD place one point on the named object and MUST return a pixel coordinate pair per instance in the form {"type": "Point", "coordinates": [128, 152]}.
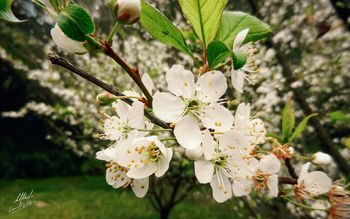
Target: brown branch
{"type": "Point", "coordinates": [56, 60]}
{"type": "Point", "coordinates": [290, 168]}
{"type": "Point", "coordinates": [132, 72]}
{"type": "Point", "coordinates": [287, 180]}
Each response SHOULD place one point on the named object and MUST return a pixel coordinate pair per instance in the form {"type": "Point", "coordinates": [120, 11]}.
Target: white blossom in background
{"type": "Point", "coordinates": [191, 103]}
{"type": "Point", "coordinates": [116, 175]}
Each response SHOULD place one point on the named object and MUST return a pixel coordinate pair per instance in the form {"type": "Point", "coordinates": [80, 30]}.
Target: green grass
{"type": "Point", "coordinates": [91, 197]}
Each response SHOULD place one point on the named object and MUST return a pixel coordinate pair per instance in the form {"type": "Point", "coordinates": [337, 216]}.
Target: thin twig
{"type": "Point", "coordinates": [57, 60]}
{"type": "Point", "coordinates": [287, 180]}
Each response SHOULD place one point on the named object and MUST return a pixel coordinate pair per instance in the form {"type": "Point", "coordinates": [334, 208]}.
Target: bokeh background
{"type": "Point", "coordinates": [48, 117]}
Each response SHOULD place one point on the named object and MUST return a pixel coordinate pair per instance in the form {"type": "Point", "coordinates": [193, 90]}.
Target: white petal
{"type": "Point", "coordinates": [107, 154]}
{"type": "Point", "coordinates": [180, 81]}
{"type": "Point", "coordinates": [116, 178]}
{"type": "Point", "coordinates": [317, 183]}
{"type": "Point", "coordinates": [272, 184]}
{"type": "Point", "coordinates": [208, 145]}
{"type": "Point", "coordinates": [194, 154]}
{"type": "Point", "coordinates": [233, 142]}
{"type": "Point", "coordinates": [216, 117]}
{"type": "Point", "coordinates": [304, 172]}
{"type": "Point", "coordinates": [257, 131]}
{"type": "Point", "coordinates": [237, 80]}
{"type": "Point", "coordinates": [242, 116]}
{"type": "Point", "coordinates": [269, 164]}
{"type": "Point", "coordinates": [136, 117]}
{"type": "Point", "coordinates": [122, 109]}
{"type": "Point", "coordinates": [164, 163]}
{"type": "Point", "coordinates": [211, 86]}
{"type": "Point", "coordinates": [148, 82]}
{"type": "Point", "coordinates": [242, 187]}
{"type": "Point", "coordinates": [143, 172]}
{"type": "Point", "coordinates": [187, 132]}
{"type": "Point", "coordinates": [65, 42]}
{"type": "Point", "coordinates": [222, 190]}
{"type": "Point", "coordinates": [140, 187]}
{"type": "Point", "coordinates": [240, 38]}
{"type": "Point", "coordinates": [203, 170]}
{"type": "Point", "coordinates": [167, 107]}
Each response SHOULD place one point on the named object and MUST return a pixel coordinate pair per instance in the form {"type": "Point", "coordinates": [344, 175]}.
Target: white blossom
{"type": "Point", "coordinates": [190, 103]}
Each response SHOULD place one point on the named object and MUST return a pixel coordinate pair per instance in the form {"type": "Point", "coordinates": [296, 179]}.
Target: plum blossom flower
{"type": "Point", "coordinates": [340, 202]}
{"type": "Point", "coordinates": [128, 118]}
{"type": "Point", "coordinates": [311, 184]}
{"type": "Point", "coordinates": [65, 42]}
{"type": "Point", "coordinates": [260, 175]}
{"type": "Point", "coordinates": [321, 158]}
{"type": "Point", "coordinates": [238, 75]}
{"type": "Point", "coordinates": [116, 175]}
{"type": "Point", "coordinates": [143, 156]}
{"type": "Point", "coordinates": [220, 162]}
{"type": "Point", "coordinates": [252, 127]}
{"type": "Point", "coordinates": [128, 11]}
{"type": "Point", "coordinates": [190, 103]}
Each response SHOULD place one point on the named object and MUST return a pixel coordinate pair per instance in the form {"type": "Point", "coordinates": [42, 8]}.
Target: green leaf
{"type": "Point", "coordinates": [234, 22]}
{"type": "Point", "coordinates": [161, 28]}
{"type": "Point", "coordinates": [273, 135]}
{"type": "Point", "coordinates": [6, 12]}
{"type": "Point", "coordinates": [217, 53]}
{"type": "Point", "coordinates": [239, 58]}
{"type": "Point", "coordinates": [204, 15]}
{"type": "Point", "coordinates": [339, 116]}
{"type": "Point", "coordinates": [301, 126]}
{"type": "Point", "coordinates": [76, 22]}
{"type": "Point", "coordinates": [288, 119]}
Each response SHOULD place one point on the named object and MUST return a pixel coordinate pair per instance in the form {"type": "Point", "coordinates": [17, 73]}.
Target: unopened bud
{"type": "Point", "coordinates": [321, 158]}
{"type": "Point", "coordinates": [128, 11]}
{"type": "Point", "coordinates": [105, 99]}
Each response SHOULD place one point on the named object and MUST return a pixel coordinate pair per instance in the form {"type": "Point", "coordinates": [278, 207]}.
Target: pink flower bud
{"type": "Point", "coordinates": [128, 11]}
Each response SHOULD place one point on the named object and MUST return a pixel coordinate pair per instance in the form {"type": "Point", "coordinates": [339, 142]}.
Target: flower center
{"type": "Point", "coordinates": [260, 181]}
{"type": "Point", "coordinates": [153, 152]}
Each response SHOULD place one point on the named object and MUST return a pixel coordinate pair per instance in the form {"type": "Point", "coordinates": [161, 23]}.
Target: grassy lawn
{"type": "Point", "coordinates": [91, 197]}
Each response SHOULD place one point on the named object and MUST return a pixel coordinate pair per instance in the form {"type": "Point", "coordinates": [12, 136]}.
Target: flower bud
{"type": "Point", "coordinates": [321, 158]}
{"type": "Point", "coordinates": [105, 99]}
{"type": "Point", "coordinates": [65, 42]}
{"type": "Point", "coordinates": [128, 11]}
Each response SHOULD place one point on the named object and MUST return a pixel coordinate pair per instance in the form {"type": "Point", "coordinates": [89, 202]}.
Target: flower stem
{"type": "Point", "coordinates": [303, 206]}
{"type": "Point", "coordinates": [112, 33]}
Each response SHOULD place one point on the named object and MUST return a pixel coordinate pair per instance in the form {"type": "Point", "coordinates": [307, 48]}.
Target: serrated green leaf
{"type": "Point", "coordinates": [217, 53]}
{"type": "Point", "coordinates": [239, 58]}
{"type": "Point", "coordinates": [75, 22]}
{"type": "Point", "coordinates": [234, 22]}
{"type": "Point", "coordinates": [301, 126]}
{"type": "Point", "coordinates": [204, 15]}
{"type": "Point", "coordinates": [288, 119]}
{"type": "Point", "coordinates": [161, 28]}
{"type": "Point", "coordinates": [6, 11]}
